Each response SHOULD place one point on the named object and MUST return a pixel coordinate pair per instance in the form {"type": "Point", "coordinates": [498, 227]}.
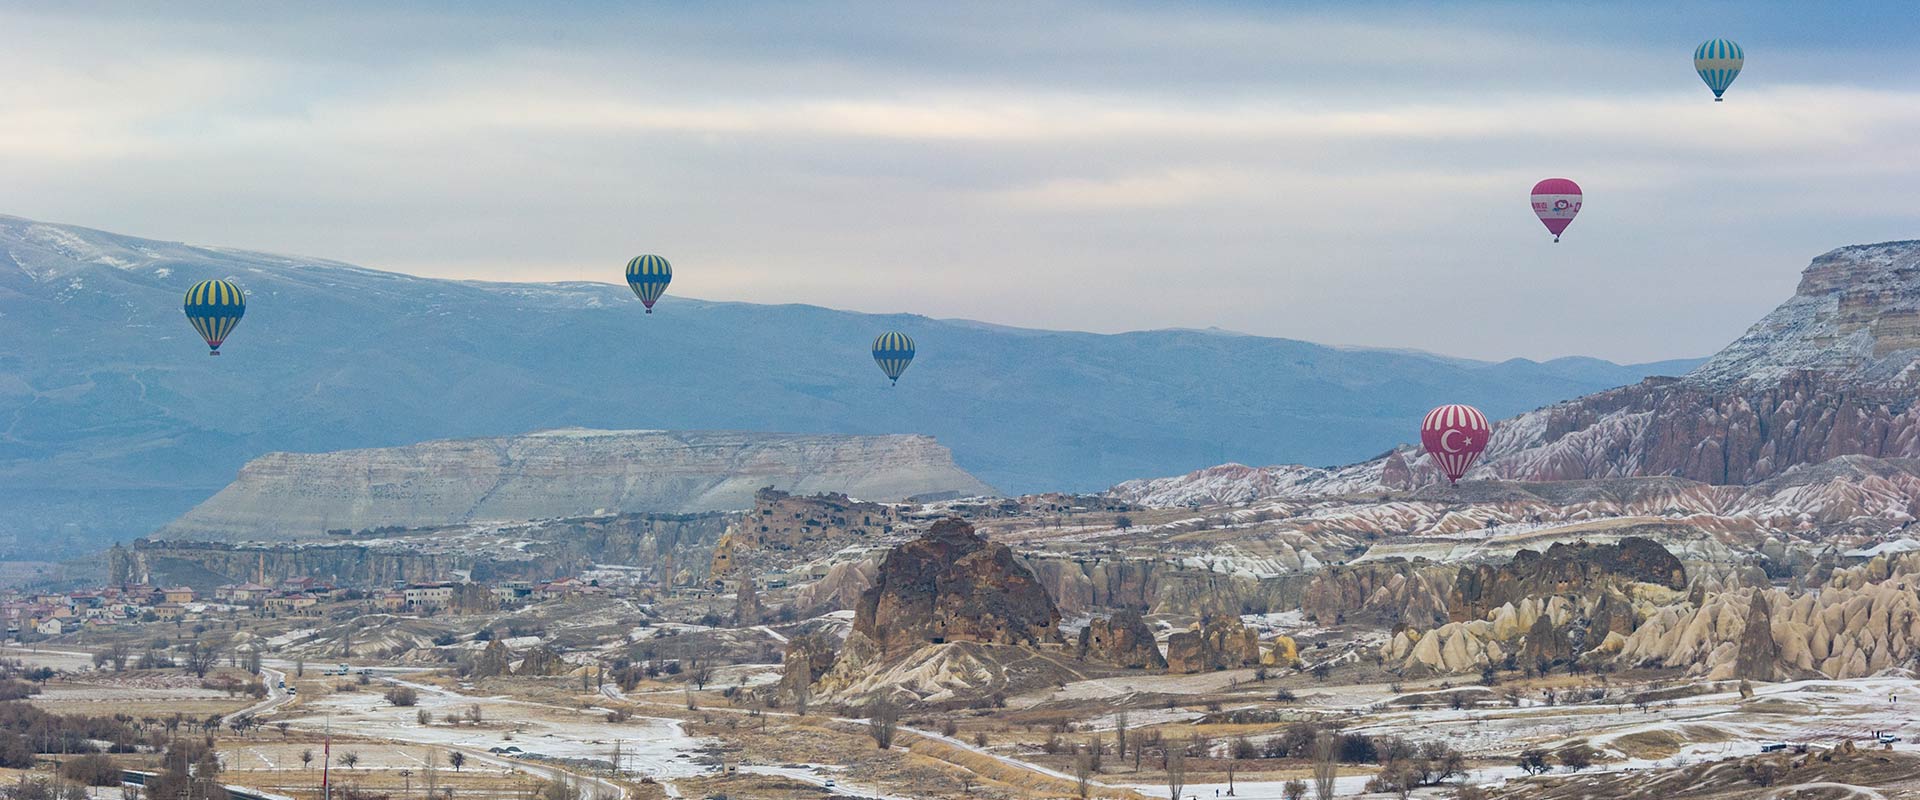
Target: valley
{"type": "Point", "coordinates": [749, 629]}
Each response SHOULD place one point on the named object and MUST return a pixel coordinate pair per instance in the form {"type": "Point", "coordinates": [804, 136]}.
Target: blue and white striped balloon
{"type": "Point", "coordinates": [1718, 61]}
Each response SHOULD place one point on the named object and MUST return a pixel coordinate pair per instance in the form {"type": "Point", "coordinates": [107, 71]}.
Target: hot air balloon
{"type": "Point", "coordinates": [893, 352]}
{"type": "Point", "coordinates": [214, 307]}
{"type": "Point", "coordinates": [649, 276]}
{"type": "Point", "coordinates": [1454, 435]}
{"type": "Point", "coordinates": [1718, 61]}
{"type": "Point", "coordinates": [1555, 202]}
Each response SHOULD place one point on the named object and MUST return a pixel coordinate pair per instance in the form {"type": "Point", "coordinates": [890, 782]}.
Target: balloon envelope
{"type": "Point", "coordinates": [214, 308]}
{"type": "Point", "coordinates": [1556, 201]}
{"type": "Point", "coordinates": [648, 276]}
{"type": "Point", "coordinates": [893, 352]}
{"type": "Point", "coordinates": [1718, 61]}
{"type": "Point", "coordinates": [1455, 435]}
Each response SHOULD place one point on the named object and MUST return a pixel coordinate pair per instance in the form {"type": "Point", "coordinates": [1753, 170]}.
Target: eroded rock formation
{"type": "Point", "coordinates": [1221, 642]}
{"type": "Point", "coordinates": [1122, 639]}
{"type": "Point", "coordinates": [952, 585]}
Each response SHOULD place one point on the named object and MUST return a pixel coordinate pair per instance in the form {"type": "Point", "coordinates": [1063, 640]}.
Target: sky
{"type": "Point", "coordinates": [1352, 173]}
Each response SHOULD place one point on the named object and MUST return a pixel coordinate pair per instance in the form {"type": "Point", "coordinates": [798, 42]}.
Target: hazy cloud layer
{"type": "Point", "coordinates": [1353, 174]}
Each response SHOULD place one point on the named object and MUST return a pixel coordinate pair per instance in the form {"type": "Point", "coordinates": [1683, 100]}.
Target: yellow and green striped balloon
{"type": "Point", "coordinates": [214, 307]}
{"type": "Point", "coordinates": [893, 352]}
{"type": "Point", "coordinates": [648, 276]}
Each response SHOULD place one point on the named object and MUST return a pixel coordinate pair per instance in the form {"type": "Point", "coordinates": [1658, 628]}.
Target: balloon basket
{"type": "Point", "coordinates": [1719, 99]}
{"type": "Point", "coordinates": [214, 353]}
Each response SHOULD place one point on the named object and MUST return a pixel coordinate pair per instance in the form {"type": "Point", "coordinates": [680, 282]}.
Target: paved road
{"type": "Point", "coordinates": [276, 697]}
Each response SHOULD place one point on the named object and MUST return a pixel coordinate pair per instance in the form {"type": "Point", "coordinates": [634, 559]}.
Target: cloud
{"type": "Point", "coordinates": [1328, 174]}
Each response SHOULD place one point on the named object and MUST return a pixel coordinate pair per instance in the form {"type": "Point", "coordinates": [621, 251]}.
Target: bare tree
{"type": "Point", "coordinates": [1295, 789]}
{"type": "Point", "coordinates": [457, 759]}
{"type": "Point", "coordinates": [1176, 769]}
{"type": "Point", "coordinates": [883, 718]}
{"type": "Point", "coordinates": [201, 659]}
{"type": "Point", "coordinates": [348, 759]}
{"type": "Point", "coordinates": [1120, 735]}
{"type": "Point", "coordinates": [1325, 768]}
{"type": "Point", "coordinates": [430, 771]}
{"type": "Point", "coordinates": [306, 758]}
{"type": "Point", "coordinates": [1083, 773]}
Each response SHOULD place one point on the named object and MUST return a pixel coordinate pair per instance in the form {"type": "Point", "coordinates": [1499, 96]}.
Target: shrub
{"type": "Point", "coordinates": [402, 696]}
{"type": "Point", "coordinates": [92, 769]}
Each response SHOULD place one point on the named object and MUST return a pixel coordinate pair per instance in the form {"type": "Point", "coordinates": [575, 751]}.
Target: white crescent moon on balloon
{"type": "Point", "coordinates": [1446, 442]}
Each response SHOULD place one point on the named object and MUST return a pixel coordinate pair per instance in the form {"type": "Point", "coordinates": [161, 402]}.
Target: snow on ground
{"type": "Point", "coordinates": [648, 746]}
{"type": "Point", "coordinates": [288, 638]}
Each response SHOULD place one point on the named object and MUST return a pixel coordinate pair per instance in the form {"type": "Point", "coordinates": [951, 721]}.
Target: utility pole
{"type": "Point", "coordinates": [326, 763]}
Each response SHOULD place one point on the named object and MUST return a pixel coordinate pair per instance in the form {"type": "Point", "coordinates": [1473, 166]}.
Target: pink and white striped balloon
{"type": "Point", "coordinates": [1555, 202]}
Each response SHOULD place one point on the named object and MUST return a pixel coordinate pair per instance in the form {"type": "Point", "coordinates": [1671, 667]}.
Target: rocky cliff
{"type": "Point", "coordinates": [1829, 373]}
{"type": "Point", "coordinates": [1573, 601]}
{"type": "Point", "coordinates": [291, 496]}
{"type": "Point", "coordinates": [1123, 640]}
{"type": "Point", "coordinates": [1220, 642]}
{"type": "Point", "coordinates": [1573, 569]}
{"type": "Point", "coordinates": [952, 585]}
{"type": "Point", "coordinates": [1866, 619]}
{"type": "Point", "coordinates": [784, 531]}
{"type": "Point", "coordinates": [542, 550]}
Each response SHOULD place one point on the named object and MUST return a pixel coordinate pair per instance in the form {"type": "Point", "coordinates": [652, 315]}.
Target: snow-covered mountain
{"type": "Point", "coordinates": [115, 420]}
{"type": "Point", "coordinates": [1830, 373]}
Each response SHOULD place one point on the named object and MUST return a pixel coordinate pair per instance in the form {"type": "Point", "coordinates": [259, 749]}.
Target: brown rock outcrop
{"type": "Point", "coordinates": [807, 658]}
{"type": "Point", "coordinates": [493, 660]}
{"type": "Point", "coordinates": [951, 585]}
{"type": "Point", "coordinates": [1123, 640]}
{"type": "Point", "coordinates": [543, 660]}
{"type": "Point", "coordinates": [1759, 656]}
{"type": "Point", "coordinates": [1391, 592]}
{"type": "Point", "coordinates": [1221, 643]}
{"type": "Point", "coordinates": [783, 530]}
{"type": "Point", "coordinates": [1564, 569]}
{"type": "Point", "coordinates": [1546, 643]}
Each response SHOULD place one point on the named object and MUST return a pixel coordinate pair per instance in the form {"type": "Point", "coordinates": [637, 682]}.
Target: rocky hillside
{"type": "Point", "coordinates": [293, 496]}
{"type": "Point", "coordinates": [1865, 620]}
{"type": "Point", "coordinates": [1830, 373]}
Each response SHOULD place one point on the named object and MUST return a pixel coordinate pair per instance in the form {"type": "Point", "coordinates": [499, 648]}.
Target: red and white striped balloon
{"type": "Point", "coordinates": [1454, 435]}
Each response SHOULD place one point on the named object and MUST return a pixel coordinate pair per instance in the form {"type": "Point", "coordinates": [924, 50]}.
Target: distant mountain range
{"type": "Point", "coordinates": [116, 421]}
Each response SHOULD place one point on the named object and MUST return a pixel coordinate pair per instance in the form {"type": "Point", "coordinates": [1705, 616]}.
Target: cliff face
{"type": "Point", "coordinates": [1572, 602]}
{"type": "Point", "coordinates": [1123, 640]}
{"type": "Point", "coordinates": [289, 496]}
{"type": "Point", "coordinates": [680, 543]}
{"type": "Point", "coordinates": [1222, 643]}
{"type": "Point", "coordinates": [954, 586]}
{"type": "Point", "coordinates": [1864, 620]}
{"type": "Point", "coordinates": [1570, 569]}
{"type": "Point", "coordinates": [1831, 372]}
{"type": "Point", "coordinates": [782, 531]}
